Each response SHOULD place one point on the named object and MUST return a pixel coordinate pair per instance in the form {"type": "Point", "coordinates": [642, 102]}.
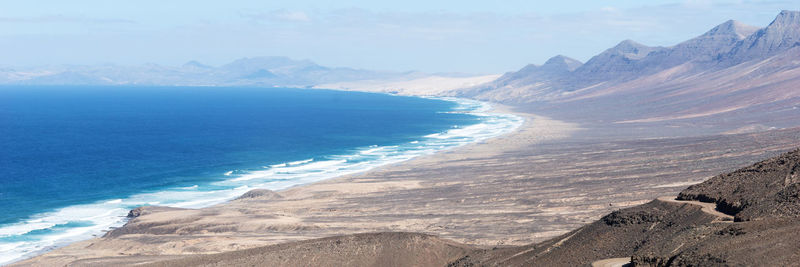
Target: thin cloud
{"type": "Point", "coordinates": [294, 16]}
{"type": "Point", "coordinates": [279, 15]}
{"type": "Point", "coordinates": [65, 19]}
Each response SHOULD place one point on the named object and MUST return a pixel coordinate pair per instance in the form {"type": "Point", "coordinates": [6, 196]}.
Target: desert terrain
{"type": "Point", "coordinates": [526, 187]}
{"type": "Point", "coordinates": [591, 177]}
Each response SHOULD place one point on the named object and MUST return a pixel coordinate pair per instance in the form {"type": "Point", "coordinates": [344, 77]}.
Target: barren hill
{"type": "Point", "coordinates": [734, 75]}
{"type": "Point", "coordinates": [663, 232]}
{"type": "Point", "coordinates": [763, 197]}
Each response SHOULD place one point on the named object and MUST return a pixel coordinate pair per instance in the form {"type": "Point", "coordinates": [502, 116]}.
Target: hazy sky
{"type": "Point", "coordinates": [433, 36]}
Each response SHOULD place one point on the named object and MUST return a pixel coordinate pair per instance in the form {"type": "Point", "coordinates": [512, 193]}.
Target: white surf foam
{"type": "Point", "coordinates": [70, 224]}
{"type": "Point", "coordinates": [299, 162]}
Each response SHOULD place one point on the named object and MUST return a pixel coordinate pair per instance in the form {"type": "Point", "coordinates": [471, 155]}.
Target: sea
{"type": "Point", "coordinates": [75, 159]}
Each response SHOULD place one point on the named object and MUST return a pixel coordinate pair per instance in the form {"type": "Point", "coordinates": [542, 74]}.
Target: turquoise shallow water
{"type": "Point", "coordinates": [75, 159]}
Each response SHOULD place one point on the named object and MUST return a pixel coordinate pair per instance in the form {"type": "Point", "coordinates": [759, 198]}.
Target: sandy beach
{"type": "Point", "coordinates": [326, 208]}
{"type": "Point", "coordinates": [320, 134]}
{"type": "Point", "coordinates": [520, 188]}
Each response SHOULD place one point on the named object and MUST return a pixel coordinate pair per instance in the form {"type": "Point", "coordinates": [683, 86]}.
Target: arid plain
{"type": "Point", "coordinates": [538, 182]}
{"type": "Point", "coordinates": [632, 124]}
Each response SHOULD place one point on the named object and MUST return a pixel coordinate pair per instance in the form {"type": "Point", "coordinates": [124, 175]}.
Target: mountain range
{"type": "Point", "coordinates": [733, 70]}
{"type": "Point", "coordinates": [729, 81]}
{"type": "Point", "coordinates": [256, 71]}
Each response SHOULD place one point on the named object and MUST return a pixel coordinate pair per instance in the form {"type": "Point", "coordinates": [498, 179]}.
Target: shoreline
{"type": "Point", "coordinates": [505, 110]}
{"type": "Point", "coordinates": [478, 147]}
{"type": "Point", "coordinates": [517, 189]}
{"type": "Point", "coordinates": [492, 110]}
{"type": "Point", "coordinates": [491, 146]}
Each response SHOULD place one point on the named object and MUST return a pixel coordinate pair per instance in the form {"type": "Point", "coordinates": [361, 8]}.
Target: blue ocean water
{"type": "Point", "coordinates": [73, 160]}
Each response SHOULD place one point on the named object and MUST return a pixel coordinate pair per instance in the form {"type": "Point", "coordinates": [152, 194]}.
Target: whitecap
{"type": "Point", "coordinates": [105, 214]}
{"type": "Point", "coordinates": [299, 162]}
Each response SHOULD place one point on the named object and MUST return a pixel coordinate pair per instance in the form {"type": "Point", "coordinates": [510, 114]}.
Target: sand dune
{"type": "Point", "coordinates": [429, 86]}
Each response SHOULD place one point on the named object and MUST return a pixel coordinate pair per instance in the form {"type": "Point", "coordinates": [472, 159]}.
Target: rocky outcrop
{"type": "Point", "coordinates": [659, 233]}
{"type": "Point", "coordinates": [629, 217]}
{"type": "Point", "coordinates": [260, 194]}
{"type": "Point", "coordinates": [662, 232]}
{"type": "Point", "coordinates": [767, 189]}
{"type": "Point", "coordinates": [672, 233]}
{"type": "Point", "coordinates": [143, 210]}
{"type": "Point", "coordinates": [618, 235]}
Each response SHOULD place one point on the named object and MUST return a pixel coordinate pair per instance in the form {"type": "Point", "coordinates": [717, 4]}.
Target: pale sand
{"type": "Point", "coordinates": [710, 208]}
{"type": "Point", "coordinates": [521, 188]}
{"type": "Point", "coordinates": [343, 205]}
{"type": "Point", "coordinates": [613, 262]}
{"type": "Point", "coordinates": [425, 86]}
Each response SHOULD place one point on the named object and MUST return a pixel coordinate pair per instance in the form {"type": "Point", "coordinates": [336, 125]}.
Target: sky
{"type": "Point", "coordinates": [463, 36]}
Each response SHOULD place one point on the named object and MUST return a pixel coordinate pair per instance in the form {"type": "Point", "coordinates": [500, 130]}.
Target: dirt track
{"type": "Point", "coordinates": [613, 262]}
{"type": "Point", "coordinates": [710, 208]}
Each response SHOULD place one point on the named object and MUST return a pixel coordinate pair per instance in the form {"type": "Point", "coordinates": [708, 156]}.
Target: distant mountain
{"type": "Point", "coordinates": [277, 66]}
{"type": "Point", "coordinates": [552, 68]}
{"type": "Point", "coordinates": [74, 77]}
{"type": "Point", "coordinates": [626, 61]}
{"type": "Point", "coordinates": [705, 48]}
{"type": "Point", "coordinates": [615, 63]}
{"type": "Point", "coordinates": [781, 35]}
{"type": "Point", "coordinates": [256, 71]}
{"type": "Point", "coordinates": [734, 72]}
{"type": "Point", "coordinates": [559, 64]}
{"type": "Point", "coordinates": [194, 65]}
{"type": "Point", "coordinates": [530, 83]}
{"type": "Point", "coordinates": [259, 74]}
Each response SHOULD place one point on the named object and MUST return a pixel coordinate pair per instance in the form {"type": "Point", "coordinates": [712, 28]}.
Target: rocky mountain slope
{"type": "Point", "coordinates": [768, 189]}
{"type": "Point", "coordinates": [763, 198]}
{"type": "Point", "coordinates": [782, 34]}
{"type": "Point", "coordinates": [734, 72]}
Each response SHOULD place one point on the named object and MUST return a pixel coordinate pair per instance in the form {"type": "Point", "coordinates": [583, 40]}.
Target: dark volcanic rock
{"type": "Point", "coordinates": [770, 188]}
{"type": "Point", "coordinates": [772, 242]}
{"type": "Point", "coordinates": [139, 211]}
{"type": "Point", "coordinates": [628, 217]}
{"type": "Point", "coordinates": [659, 233]}
{"type": "Point", "coordinates": [260, 194]}
{"type": "Point", "coordinates": [663, 233]}
{"type": "Point", "coordinates": [617, 235]}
